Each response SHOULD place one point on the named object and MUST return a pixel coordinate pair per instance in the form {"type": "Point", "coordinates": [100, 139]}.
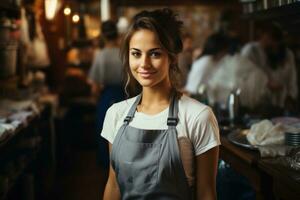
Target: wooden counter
{"type": "Point", "coordinates": [26, 152]}
{"type": "Point", "coordinates": [269, 180]}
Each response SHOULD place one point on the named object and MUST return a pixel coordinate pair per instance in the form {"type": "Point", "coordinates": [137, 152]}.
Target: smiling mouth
{"type": "Point", "coordinates": [146, 74]}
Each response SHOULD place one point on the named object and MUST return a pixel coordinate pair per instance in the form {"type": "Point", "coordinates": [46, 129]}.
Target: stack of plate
{"type": "Point", "coordinates": [292, 139]}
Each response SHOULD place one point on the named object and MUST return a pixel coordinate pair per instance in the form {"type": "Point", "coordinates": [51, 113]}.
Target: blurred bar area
{"type": "Point", "coordinates": [241, 57]}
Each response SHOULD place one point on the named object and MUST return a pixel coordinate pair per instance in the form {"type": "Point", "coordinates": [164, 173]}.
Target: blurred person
{"type": "Point", "coordinates": [106, 77]}
{"type": "Point", "coordinates": [215, 48]}
{"type": "Point", "coordinates": [236, 72]}
{"type": "Point", "coordinates": [164, 145]}
{"type": "Point", "coordinates": [228, 26]}
{"type": "Point", "coordinates": [185, 58]}
{"type": "Point", "coordinates": [277, 61]}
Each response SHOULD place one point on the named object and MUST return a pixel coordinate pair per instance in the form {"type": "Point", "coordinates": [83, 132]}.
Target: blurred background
{"type": "Point", "coordinates": [49, 91]}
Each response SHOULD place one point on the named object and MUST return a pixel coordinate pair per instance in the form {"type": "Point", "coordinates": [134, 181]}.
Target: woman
{"type": "Point", "coordinates": [163, 145]}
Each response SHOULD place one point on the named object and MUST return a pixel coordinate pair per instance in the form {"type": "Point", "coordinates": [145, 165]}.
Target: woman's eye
{"type": "Point", "coordinates": [155, 54]}
{"type": "Point", "coordinates": [135, 54]}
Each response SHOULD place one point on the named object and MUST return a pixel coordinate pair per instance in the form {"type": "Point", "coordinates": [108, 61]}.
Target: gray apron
{"type": "Point", "coordinates": [147, 163]}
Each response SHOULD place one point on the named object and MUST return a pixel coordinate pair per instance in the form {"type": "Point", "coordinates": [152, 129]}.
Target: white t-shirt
{"type": "Point", "coordinates": [197, 128]}
{"type": "Point", "coordinates": [201, 71]}
{"type": "Point", "coordinates": [234, 72]}
{"type": "Point", "coordinates": [107, 67]}
{"type": "Point", "coordinates": [286, 75]}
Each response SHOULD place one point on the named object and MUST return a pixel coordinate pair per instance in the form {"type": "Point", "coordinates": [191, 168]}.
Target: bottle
{"type": "Point", "coordinates": [233, 105]}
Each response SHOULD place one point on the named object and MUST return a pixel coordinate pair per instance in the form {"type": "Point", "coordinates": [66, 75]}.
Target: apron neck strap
{"type": "Point", "coordinates": [132, 109]}
{"type": "Point", "coordinates": [173, 112]}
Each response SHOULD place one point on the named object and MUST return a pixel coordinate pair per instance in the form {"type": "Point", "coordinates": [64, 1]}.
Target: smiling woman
{"type": "Point", "coordinates": [149, 63]}
{"type": "Point", "coordinates": [164, 145]}
{"type": "Point", "coordinates": [155, 37]}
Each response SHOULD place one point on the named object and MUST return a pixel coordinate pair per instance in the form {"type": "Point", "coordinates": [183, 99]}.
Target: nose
{"type": "Point", "coordinates": [145, 62]}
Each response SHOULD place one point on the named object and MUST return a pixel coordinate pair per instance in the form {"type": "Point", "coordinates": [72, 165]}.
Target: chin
{"type": "Point", "coordinates": [146, 83]}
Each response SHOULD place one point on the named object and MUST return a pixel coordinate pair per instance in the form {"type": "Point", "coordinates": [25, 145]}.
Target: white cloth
{"type": "Point", "coordinates": [197, 127]}
{"type": "Point", "coordinates": [237, 72]}
{"type": "Point", "coordinates": [274, 150]}
{"type": "Point", "coordinates": [269, 138]}
{"type": "Point", "coordinates": [285, 75]}
{"type": "Point", "coordinates": [265, 133]}
{"type": "Point", "coordinates": [107, 67]}
{"type": "Point", "coordinates": [201, 71]}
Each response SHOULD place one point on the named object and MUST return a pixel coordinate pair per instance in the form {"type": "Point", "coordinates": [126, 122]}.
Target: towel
{"type": "Point", "coordinates": [265, 133]}
{"type": "Point", "coordinates": [269, 137]}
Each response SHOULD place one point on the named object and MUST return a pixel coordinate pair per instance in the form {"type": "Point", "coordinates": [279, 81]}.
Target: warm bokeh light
{"type": "Point", "coordinates": [50, 7]}
{"type": "Point", "coordinates": [75, 18]}
{"type": "Point", "coordinates": [67, 11]}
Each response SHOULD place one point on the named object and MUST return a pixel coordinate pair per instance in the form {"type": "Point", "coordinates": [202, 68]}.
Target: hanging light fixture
{"type": "Point", "coordinates": [105, 10]}
{"type": "Point", "coordinates": [51, 8]}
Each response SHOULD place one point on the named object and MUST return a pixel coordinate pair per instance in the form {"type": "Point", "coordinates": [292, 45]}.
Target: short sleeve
{"type": "Point", "coordinates": [109, 125]}
{"type": "Point", "coordinates": [205, 132]}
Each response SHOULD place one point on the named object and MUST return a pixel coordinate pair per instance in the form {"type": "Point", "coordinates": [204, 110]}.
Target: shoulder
{"type": "Point", "coordinates": [249, 47]}
{"type": "Point", "coordinates": [199, 124]}
{"type": "Point", "coordinates": [109, 51]}
{"type": "Point", "coordinates": [121, 108]}
{"type": "Point", "coordinates": [114, 118]}
{"type": "Point", "coordinates": [203, 60]}
{"type": "Point", "coordinates": [191, 109]}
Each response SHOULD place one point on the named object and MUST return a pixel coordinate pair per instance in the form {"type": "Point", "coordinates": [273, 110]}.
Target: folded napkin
{"type": "Point", "coordinates": [265, 133]}
{"type": "Point", "coordinates": [269, 138]}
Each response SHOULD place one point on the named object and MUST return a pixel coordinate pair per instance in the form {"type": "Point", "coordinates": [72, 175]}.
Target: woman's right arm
{"type": "Point", "coordinates": [111, 191]}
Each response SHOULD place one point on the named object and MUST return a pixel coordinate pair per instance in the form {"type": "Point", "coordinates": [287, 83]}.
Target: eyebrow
{"type": "Point", "coordinates": [154, 49]}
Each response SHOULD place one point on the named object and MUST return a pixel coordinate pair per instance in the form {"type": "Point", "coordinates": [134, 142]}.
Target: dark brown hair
{"type": "Point", "coordinates": [167, 28]}
{"type": "Point", "coordinates": [109, 30]}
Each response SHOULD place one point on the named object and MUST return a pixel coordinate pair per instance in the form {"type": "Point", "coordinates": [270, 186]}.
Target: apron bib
{"type": "Point", "coordinates": [147, 163]}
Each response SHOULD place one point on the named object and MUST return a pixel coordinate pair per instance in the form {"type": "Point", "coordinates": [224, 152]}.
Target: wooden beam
{"type": "Point", "coordinates": [138, 3]}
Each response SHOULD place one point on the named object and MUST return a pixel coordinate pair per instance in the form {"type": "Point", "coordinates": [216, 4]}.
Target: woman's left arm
{"type": "Point", "coordinates": [206, 173]}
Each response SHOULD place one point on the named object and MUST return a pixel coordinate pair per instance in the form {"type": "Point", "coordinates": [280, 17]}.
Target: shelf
{"type": "Point", "coordinates": [281, 13]}
{"type": "Point", "coordinates": [10, 10]}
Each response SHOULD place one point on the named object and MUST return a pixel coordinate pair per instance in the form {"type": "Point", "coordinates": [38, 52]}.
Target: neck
{"type": "Point", "coordinates": [155, 97]}
{"type": "Point", "coordinates": [155, 100]}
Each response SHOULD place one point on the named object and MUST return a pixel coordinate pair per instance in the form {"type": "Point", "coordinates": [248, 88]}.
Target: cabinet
{"type": "Point", "coordinates": [11, 7]}
{"type": "Point", "coordinates": [26, 159]}
{"type": "Point", "coordinates": [9, 34]}
{"type": "Point", "coordinates": [288, 15]}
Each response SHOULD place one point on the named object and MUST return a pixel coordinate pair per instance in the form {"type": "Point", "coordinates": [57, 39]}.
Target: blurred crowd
{"type": "Point", "coordinates": [261, 72]}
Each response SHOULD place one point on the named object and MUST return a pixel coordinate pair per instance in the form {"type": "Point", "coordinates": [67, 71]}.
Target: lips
{"type": "Point", "coordinates": [146, 74]}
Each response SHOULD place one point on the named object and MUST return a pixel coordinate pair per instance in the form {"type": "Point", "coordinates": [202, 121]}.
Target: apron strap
{"type": "Point", "coordinates": [132, 110]}
{"type": "Point", "coordinates": [173, 112]}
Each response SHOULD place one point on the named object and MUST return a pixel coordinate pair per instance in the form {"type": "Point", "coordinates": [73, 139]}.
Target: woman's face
{"type": "Point", "coordinates": [149, 63]}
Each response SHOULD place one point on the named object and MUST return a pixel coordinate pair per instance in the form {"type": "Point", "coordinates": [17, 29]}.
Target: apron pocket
{"type": "Point", "coordinates": [139, 165]}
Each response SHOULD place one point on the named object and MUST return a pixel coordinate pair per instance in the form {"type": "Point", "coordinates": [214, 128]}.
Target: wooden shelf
{"type": "Point", "coordinates": [288, 16]}
{"type": "Point", "coordinates": [10, 10]}
{"type": "Point", "coordinates": [281, 12]}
